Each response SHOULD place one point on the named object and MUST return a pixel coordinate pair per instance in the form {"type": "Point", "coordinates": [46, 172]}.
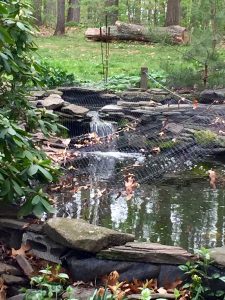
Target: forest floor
{"type": "Point", "coordinates": [83, 58]}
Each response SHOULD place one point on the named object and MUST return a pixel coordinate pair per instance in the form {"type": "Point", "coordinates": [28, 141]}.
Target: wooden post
{"type": "Point", "coordinates": [144, 78]}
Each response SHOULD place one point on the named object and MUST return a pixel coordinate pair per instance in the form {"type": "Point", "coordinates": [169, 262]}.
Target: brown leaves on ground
{"type": "Point", "coordinates": [123, 289]}
{"type": "Point", "coordinates": [22, 251]}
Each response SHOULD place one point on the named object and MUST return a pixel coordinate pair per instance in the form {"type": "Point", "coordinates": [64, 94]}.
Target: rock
{"type": "Point", "coordinates": [209, 96]}
{"type": "Point", "coordinates": [17, 297]}
{"type": "Point", "coordinates": [111, 108]}
{"type": "Point", "coordinates": [80, 293]}
{"type": "Point", "coordinates": [13, 224]}
{"type": "Point", "coordinates": [13, 280]}
{"type": "Point", "coordinates": [24, 265]}
{"type": "Point", "coordinates": [168, 275]}
{"type": "Point", "coordinates": [134, 96]}
{"type": "Point", "coordinates": [80, 235]}
{"type": "Point", "coordinates": [53, 101]}
{"type": "Point", "coordinates": [153, 296]}
{"type": "Point", "coordinates": [91, 268]}
{"type": "Point", "coordinates": [147, 252]}
{"type": "Point", "coordinates": [137, 104]}
{"type": "Point", "coordinates": [75, 110]}
{"type": "Point", "coordinates": [39, 94]}
{"type": "Point", "coordinates": [55, 92]}
{"type": "Point", "coordinates": [9, 269]}
{"type": "Point", "coordinates": [218, 255]}
{"type": "Point", "coordinates": [107, 96]}
{"type": "Point", "coordinates": [158, 91]}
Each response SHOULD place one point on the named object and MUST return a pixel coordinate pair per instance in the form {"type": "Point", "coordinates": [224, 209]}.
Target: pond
{"type": "Point", "coordinates": [182, 210]}
{"type": "Point", "coordinates": [171, 206]}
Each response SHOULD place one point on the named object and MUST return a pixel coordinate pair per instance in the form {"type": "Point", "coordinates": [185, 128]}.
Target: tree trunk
{"type": "Point", "coordinates": [173, 12]}
{"type": "Point", "coordinates": [37, 7]}
{"type": "Point", "coordinates": [73, 11]}
{"type": "Point", "coordinates": [112, 11]}
{"type": "Point", "coordinates": [133, 32]}
{"type": "Point", "coordinates": [60, 26]}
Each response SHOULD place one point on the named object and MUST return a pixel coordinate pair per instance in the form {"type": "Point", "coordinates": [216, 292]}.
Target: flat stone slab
{"type": "Point", "coordinates": [53, 101]}
{"type": "Point", "coordinates": [80, 235]}
{"type": "Point", "coordinates": [111, 108]}
{"type": "Point", "coordinates": [147, 252]}
{"type": "Point", "coordinates": [75, 110]}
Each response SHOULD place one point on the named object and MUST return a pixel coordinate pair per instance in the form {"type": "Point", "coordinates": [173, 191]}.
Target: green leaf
{"type": "Point", "coordinates": [45, 173]}
{"type": "Point", "coordinates": [222, 278]}
{"type": "Point", "coordinates": [17, 188]}
{"type": "Point", "coordinates": [37, 199]}
{"type": "Point", "coordinates": [33, 170]}
{"type": "Point", "coordinates": [21, 26]}
{"type": "Point", "coordinates": [48, 206]}
{"type": "Point", "coordinates": [4, 36]}
{"type": "Point", "coordinates": [29, 155]}
{"type": "Point", "coordinates": [38, 210]}
{"type": "Point", "coordinates": [3, 9]}
{"type": "Point", "coordinates": [63, 276]}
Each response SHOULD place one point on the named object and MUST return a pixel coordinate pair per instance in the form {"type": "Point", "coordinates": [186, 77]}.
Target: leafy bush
{"type": "Point", "coordinates": [201, 281]}
{"type": "Point", "coordinates": [53, 76]}
{"type": "Point", "coordinates": [23, 168]}
{"type": "Point", "coordinates": [123, 82]}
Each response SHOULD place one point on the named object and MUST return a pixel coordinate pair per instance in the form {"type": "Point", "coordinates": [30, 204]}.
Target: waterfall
{"type": "Point", "coordinates": [100, 127]}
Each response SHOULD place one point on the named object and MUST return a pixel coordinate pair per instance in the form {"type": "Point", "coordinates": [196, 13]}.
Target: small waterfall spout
{"type": "Point", "coordinates": [100, 127]}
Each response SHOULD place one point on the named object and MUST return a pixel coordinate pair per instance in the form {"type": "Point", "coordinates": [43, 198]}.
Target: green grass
{"type": "Point", "coordinates": [83, 58]}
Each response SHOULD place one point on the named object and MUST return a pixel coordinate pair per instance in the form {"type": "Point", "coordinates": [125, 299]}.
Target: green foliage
{"type": "Point", "coordinates": [49, 285]}
{"type": "Point", "coordinates": [145, 294]}
{"type": "Point", "coordinates": [120, 82]}
{"type": "Point", "coordinates": [199, 281]}
{"type": "Point", "coordinates": [54, 76]}
{"type": "Point", "coordinates": [23, 168]}
{"type": "Point", "coordinates": [205, 137]}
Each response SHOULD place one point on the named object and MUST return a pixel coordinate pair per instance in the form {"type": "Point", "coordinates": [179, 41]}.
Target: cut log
{"type": "Point", "coordinates": [132, 32]}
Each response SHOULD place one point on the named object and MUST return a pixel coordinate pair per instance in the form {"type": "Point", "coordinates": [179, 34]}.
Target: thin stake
{"type": "Point", "coordinates": [102, 53]}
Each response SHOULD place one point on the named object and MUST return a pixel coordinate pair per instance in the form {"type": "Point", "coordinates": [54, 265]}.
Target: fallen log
{"type": "Point", "coordinates": [132, 32]}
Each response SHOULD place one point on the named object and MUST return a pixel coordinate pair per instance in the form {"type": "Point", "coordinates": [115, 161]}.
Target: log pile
{"type": "Point", "coordinates": [132, 32]}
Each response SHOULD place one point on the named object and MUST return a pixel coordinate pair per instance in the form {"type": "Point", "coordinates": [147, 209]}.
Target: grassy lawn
{"type": "Point", "coordinates": [83, 58]}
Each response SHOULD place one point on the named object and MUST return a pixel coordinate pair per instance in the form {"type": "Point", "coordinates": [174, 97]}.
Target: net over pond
{"type": "Point", "coordinates": [141, 168]}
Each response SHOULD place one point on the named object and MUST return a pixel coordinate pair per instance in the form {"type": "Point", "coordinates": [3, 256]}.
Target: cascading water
{"type": "Point", "coordinates": [100, 127]}
{"type": "Point", "coordinates": [103, 163]}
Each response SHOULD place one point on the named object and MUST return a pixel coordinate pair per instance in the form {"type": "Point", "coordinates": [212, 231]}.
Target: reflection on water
{"type": "Point", "coordinates": [190, 216]}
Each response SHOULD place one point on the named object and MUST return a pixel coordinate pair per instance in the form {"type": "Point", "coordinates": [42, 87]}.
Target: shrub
{"type": "Point", "coordinates": [23, 168]}
{"type": "Point", "coordinates": [53, 76]}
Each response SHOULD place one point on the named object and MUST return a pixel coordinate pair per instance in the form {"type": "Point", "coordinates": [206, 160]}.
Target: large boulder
{"type": "Point", "coordinates": [80, 235]}
{"type": "Point", "coordinates": [53, 101]}
{"type": "Point", "coordinates": [218, 255]}
{"type": "Point", "coordinates": [212, 96]}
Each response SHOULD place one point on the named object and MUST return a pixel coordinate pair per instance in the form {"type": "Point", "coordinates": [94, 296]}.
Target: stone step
{"type": "Point", "coordinates": [147, 252]}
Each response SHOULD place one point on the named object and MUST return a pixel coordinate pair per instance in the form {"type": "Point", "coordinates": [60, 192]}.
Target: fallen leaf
{"type": "Point", "coordinates": [195, 104]}
{"type": "Point", "coordinates": [113, 278]}
{"type": "Point", "coordinates": [22, 251]}
{"type": "Point", "coordinates": [212, 176]}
